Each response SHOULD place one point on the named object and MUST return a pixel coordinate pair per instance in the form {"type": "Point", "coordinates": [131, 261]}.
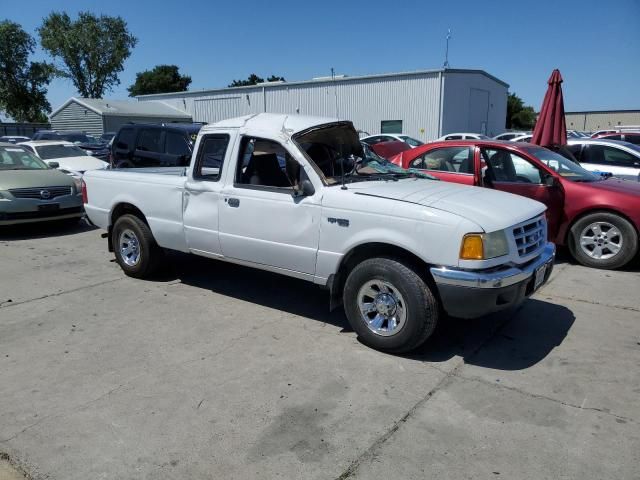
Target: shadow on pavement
{"type": "Point", "coordinates": [514, 339]}
{"type": "Point", "coordinates": [28, 231]}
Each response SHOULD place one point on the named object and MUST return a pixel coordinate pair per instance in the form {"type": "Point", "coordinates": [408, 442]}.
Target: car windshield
{"type": "Point", "coordinates": [77, 138]}
{"type": "Point", "coordinates": [565, 167]}
{"type": "Point", "coordinates": [19, 159]}
{"type": "Point", "coordinates": [335, 150]}
{"type": "Point", "coordinates": [50, 152]}
{"type": "Point", "coordinates": [411, 141]}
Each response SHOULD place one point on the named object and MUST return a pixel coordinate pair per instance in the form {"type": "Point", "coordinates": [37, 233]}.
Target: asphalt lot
{"type": "Point", "coordinates": [218, 371]}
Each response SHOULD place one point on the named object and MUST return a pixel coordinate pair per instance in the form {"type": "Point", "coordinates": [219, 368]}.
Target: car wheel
{"type": "Point", "coordinates": [136, 250]}
{"type": "Point", "coordinates": [389, 305]}
{"type": "Point", "coordinates": [603, 240]}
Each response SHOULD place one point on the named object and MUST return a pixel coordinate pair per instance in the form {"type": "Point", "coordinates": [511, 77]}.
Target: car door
{"type": "Point", "coordinates": [262, 218]}
{"type": "Point", "coordinates": [149, 151]}
{"type": "Point", "coordinates": [202, 193]}
{"type": "Point", "coordinates": [510, 172]}
{"type": "Point", "coordinates": [451, 164]}
{"type": "Point", "coordinates": [610, 159]}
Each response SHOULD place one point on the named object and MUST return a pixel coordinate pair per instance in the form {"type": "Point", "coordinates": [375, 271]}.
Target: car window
{"type": "Point", "coordinates": [614, 137]}
{"type": "Point", "coordinates": [51, 152]}
{"type": "Point", "coordinates": [635, 139]}
{"type": "Point", "coordinates": [453, 137]}
{"type": "Point", "coordinates": [576, 151]}
{"type": "Point", "coordinates": [606, 155]}
{"type": "Point", "coordinates": [211, 153]}
{"type": "Point", "coordinates": [448, 159]}
{"type": "Point", "coordinates": [125, 139]}
{"type": "Point", "coordinates": [504, 166]}
{"type": "Point", "coordinates": [411, 141]}
{"type": "Point", "coordinates": [265, 163]}
{"type": "Point", "coordinates": [149, 140]}
{"type": "Point", "coordinates": [177, 144]}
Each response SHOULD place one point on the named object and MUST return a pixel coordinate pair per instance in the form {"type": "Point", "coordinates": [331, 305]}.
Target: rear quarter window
{"type": "Point", "coordinates": [125, 139]}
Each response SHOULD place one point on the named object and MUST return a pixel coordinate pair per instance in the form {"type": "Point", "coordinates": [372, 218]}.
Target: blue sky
{"type": "Point", "coordinates": [595, 44]}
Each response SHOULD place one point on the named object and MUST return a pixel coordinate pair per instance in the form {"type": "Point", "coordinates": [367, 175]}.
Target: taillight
{"type": "Point", "coordinates": [85, 197]}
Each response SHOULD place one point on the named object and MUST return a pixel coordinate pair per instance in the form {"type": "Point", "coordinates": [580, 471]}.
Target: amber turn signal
{"type": "Point", "coordinates": [472, 248]}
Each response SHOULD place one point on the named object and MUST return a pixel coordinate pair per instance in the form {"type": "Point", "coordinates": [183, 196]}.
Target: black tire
{"type": "Point", "coordinates": [628, 247]}
{"type": "Point", "coordinates": [150, 254]}
{"type": "Point", "coordinates": [422, 307]}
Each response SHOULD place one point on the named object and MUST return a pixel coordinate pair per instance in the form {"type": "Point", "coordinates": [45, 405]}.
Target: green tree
{"type": "Point", "coordinates": [162, 79]}
{"type": "Point", "coordinates": [254, 80]}
{"type": "Point", "coordinates": [519, 116]}
{"type": "Point", "coordinates": [23, 84]}
{"type": "Point", "coordinates": [91, 49]}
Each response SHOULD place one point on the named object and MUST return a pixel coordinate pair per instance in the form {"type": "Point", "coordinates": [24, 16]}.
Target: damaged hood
{"type": "Point", "coordinates": [490, 209]}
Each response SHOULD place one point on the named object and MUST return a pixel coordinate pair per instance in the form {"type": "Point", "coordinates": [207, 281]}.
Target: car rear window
{"type": "Point", "coordinates": [149, 140]}
{"type": "Point", "coordinates": [125, 139]}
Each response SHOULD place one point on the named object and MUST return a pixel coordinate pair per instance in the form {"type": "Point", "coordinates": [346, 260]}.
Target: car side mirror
{"type": "Point", "coordinates": [306, 189]}
{"type": "Point", "coordinates": [53, 165]}
{"type": "Point", "coordinates": [550, 181]}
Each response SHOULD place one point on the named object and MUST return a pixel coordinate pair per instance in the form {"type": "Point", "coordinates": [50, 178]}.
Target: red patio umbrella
{"type": "Point", "coordinates": [551, 129]}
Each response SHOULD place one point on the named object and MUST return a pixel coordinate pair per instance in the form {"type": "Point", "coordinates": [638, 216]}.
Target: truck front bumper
{"type": "Point", "coordinates": [471, 294]}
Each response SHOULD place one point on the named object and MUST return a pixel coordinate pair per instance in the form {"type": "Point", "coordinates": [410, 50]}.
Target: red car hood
{"type": "Point", "coordinates": [618, 186]}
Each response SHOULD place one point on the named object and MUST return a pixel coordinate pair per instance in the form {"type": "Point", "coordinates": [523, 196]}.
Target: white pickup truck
{"type": "Point", "coordinates": [296, 195]}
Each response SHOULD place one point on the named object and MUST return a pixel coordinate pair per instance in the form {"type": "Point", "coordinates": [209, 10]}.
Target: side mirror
{"type": "Point", "coordinates": [54, 165]}
{"type": "Point", "coordinates": [550, 181]}
{"type": "Point", "coordinates": [306, 189]}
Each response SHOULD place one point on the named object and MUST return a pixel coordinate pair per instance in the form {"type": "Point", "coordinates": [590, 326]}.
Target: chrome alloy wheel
{"type": "Point", "coordinates": [382, 307]}
{"type": "Point", "coordinates": [601, 240]}
{"type": "Point", "coordinates": [129, 246]}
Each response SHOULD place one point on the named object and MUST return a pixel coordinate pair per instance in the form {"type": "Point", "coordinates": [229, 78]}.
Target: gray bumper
{"type": "Point", "coordinates": [470, 294]}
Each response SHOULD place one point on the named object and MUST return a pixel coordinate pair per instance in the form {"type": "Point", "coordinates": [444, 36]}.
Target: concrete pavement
{"type": "Point", "coordinates": [219, 371]}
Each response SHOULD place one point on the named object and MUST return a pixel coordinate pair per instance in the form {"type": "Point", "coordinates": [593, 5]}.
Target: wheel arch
{"type": "Point", "coordinates": [120, 209]}
{"type": "Point", "coordinates": [367, 250]}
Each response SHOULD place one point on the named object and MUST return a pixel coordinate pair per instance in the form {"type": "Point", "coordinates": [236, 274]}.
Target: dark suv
{"type": "Point", "coordinates": [145, 145]}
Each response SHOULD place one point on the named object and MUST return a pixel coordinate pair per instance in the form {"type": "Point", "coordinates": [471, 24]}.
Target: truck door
{"type": "Point", "coordinates": [202, 193]}
{"type": "Point", "coordinates": [263, 220]}
{"type": "Point", "coordinates": [510, 172]}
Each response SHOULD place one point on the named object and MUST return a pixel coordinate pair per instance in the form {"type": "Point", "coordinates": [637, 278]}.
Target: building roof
{"type": "Point", "coordinates": [123, 108]}
{"type": "Point", "coordinates": [338, 79]}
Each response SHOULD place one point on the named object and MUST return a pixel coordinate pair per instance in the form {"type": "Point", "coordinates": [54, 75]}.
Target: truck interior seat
{"type": "Point", "coordinates": [265, 170]}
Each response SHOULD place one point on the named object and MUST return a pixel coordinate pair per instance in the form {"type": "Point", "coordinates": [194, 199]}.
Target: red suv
{"type": "Point", "coordinates": [597, 218]}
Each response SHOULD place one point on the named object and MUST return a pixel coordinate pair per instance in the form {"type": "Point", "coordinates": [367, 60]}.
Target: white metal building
{"type": "Point", "coordinates": [96, 116]}
{"type": "Point", "coordinates": [424, 104]}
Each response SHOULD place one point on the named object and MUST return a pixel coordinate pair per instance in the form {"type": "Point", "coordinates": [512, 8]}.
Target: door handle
{"type": "Point", "coordinates": [234, 202]}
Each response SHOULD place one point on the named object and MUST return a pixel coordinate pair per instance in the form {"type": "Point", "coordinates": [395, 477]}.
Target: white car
{"type": "Point", "coordinates": [267, 191]}
{"type": "Point", "coordinates": [14, 139]}
{"type": "Point", "coordinates": [70, 158]}
{"type": "Point", "coordinates": [522, 138]}
{"type": "Point", "coordinates": [392, 137]}
{"type": "Point", "coordinates": [599, 155]}
{"type": "Point", "coordinates": [510, 135]}
{"type": "Point", "coordinates": [462, 136]}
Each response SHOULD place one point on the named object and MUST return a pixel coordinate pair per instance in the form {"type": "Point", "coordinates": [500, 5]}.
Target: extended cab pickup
{"type": "Point", "coordinates": [294, 195]}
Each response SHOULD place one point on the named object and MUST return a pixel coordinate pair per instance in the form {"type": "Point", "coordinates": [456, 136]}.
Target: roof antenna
{"type": "Point", "coordinates": [446, 53]}
{"type": "Point", "coordinates": [335, 91]}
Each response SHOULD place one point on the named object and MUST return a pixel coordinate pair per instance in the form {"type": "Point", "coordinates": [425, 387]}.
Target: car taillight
{"type": "Point", "coordinates": [85, 197]}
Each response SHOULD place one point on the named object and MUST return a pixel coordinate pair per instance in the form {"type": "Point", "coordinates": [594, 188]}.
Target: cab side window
{"type": "Point", "coordinates": [607, 156]}
{"type": "Point", "coordinates": [211, 154]}
{"type": "Point", "coordinates": [265, 163]}
{"type": "Point", "coordinates": [504, 166]}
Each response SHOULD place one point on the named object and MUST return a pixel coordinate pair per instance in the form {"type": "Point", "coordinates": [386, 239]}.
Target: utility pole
{"type": "Point", "coordinates": [446, 53]}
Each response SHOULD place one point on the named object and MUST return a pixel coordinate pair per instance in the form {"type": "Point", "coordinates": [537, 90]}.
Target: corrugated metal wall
{"type": "Point", "coordinates": [412, 97]}
{"type": "Point", "coordinates": [591, 121]}
{"type": "Point", "coordinates": [76, 117]}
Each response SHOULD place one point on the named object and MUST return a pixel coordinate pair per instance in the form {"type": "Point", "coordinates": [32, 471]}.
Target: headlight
{"type": "Point", "coordinates": [482, 246]}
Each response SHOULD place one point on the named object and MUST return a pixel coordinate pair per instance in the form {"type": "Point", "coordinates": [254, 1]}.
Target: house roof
{"type": "Point", "coordinates": [123, 108]}
{"type": "Point", "coordinates": [338, 79]}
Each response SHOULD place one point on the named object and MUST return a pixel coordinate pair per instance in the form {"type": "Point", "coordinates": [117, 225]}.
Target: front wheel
{"type": "Point", "coordinates": [389, 305]}
{"type": "Point", "coordinates": [136, 250]}
{"type": "Point", "coordinates": [603, 240]}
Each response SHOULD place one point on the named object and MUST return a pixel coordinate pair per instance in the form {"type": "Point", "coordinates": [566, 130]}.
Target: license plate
{"type": "Point", "coordinates": [539, 277]}
{"type": "Point", "coordinates": [47, 207]}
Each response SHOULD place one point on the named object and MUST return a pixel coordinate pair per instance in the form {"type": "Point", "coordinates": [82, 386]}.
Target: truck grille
{"type": "Point", "coordinates": [41, 193]}
{"type": "Point", "coordinates": [530, 236]}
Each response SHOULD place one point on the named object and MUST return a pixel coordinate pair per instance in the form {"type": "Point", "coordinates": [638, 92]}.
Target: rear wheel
{"type": "Point", "coordinates": [136, 250]}
{"type": "Point", "coordinates": [389, 305]}
{"type": "Point", "coordinates": [603, 240]}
